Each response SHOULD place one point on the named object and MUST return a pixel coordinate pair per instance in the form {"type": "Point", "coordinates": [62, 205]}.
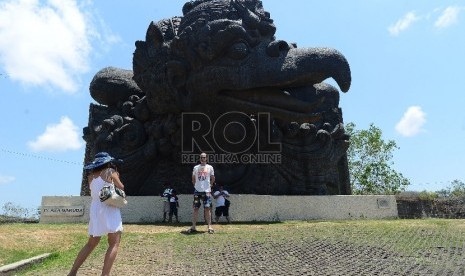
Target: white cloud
{"type": "Point", "coordinates": [45, 44]}
{"type": "Point", "coordinates": [403, 24]}
{"type": "Point", "coordinates": [448, 17]}
{"type": "Point", "coordinates": [60, 137]}
{"type": "Point", "coordinates": [411, 123]}
{"type": "Point", "coordinates": [4, 179]}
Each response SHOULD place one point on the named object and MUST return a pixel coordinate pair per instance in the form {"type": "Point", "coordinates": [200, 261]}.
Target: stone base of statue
{"type": "Point", "coordinates": [244, 208]}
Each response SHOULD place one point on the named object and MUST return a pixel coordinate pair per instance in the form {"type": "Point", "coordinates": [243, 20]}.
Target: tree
{"type": "Point", "coordinates": [370, 163]}
{"type": "Point", "coordinates": [457, 188]}
{"type": "Point", "coordinates": [17, 213]}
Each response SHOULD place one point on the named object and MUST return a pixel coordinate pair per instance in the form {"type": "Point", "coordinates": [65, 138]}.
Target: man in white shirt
{"type": "Point", "coordinates": [203, 178]}
{"type": "Point", "coordinates": [222, 203]}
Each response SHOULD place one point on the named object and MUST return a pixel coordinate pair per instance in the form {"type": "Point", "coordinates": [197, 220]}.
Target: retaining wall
{"type": "Point", "coordinates": [148, 209]}
{"type": "Point", "coordinates": [413, 207]}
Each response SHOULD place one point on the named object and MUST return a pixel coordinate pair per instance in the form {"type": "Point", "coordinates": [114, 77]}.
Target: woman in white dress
{"type": "Point", "coordinates": [104, 219]}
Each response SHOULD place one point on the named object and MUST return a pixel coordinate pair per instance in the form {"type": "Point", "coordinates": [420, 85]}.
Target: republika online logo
{"type": "Point", "coordinates": [233, 137]}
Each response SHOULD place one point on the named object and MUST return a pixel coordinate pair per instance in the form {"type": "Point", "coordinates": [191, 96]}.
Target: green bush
{"type": "Point", "coordinates": [425, 195]}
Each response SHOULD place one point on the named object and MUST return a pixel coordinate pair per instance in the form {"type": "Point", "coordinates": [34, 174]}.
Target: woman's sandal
{"type": "Point", "coordinates": [211, 231]}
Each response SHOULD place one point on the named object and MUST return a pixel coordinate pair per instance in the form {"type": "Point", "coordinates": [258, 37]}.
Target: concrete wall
{"type": "Point", "coordinates": [148, 209]}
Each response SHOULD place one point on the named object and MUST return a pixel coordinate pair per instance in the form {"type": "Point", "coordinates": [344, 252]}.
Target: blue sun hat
{"type": "Point", "coordinates": [101, 159]}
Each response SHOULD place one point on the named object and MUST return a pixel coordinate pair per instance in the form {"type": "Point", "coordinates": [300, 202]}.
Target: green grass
{"type": "Point", "coordinates": [405, 237]}
{"type": "Point", "coordinates": [20, 241]}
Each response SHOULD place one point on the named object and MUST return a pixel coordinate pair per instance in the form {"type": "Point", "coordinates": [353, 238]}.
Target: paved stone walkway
{"type": "Point", "coordinates": [293, 251]}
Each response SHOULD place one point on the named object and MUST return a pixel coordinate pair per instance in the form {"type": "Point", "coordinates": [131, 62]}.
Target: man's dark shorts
{"type": "Point", "coordinates": [222, 210]}
{"type": "Point", "coordinates": [202, 197]}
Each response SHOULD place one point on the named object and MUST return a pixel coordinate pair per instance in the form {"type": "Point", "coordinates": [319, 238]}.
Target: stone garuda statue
{"type": "Point", "coordinates": [216, 80]}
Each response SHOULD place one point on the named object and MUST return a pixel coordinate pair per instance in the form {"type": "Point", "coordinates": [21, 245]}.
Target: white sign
{"type": "Point", "coordinates": [63, 211]}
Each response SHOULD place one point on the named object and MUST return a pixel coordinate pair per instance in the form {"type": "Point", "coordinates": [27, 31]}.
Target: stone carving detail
{"type": "Point", "coordinates": [221, 57]}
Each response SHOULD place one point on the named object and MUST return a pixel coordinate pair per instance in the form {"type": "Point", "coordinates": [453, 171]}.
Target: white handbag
{"type": "Point", "coordinates": [113, 196]}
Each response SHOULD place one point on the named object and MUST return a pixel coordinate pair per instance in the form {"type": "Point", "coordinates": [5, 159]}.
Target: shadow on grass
{"type": "Point", "coordinates": [177, 224]}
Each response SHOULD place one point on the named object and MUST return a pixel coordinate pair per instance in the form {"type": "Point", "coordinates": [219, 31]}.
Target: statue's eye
{"type": "Point", "coordinates": [238, 51]}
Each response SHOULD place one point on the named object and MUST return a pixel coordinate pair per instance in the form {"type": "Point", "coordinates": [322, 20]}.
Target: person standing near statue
{"type": "Point", "coordinates": [222, 203]}
{"type": "Point", "coordinates": [203, 178]}
{"type": "Point", "coordinates": [166, 194]}
{"type": "Point", "coordinates": [104, 219]}
{"type": "Point", "coordinates": [174, 205]}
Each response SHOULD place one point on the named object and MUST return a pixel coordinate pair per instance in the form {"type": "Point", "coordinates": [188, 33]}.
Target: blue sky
{"type": "Point", "coordinates": [406, 59]}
